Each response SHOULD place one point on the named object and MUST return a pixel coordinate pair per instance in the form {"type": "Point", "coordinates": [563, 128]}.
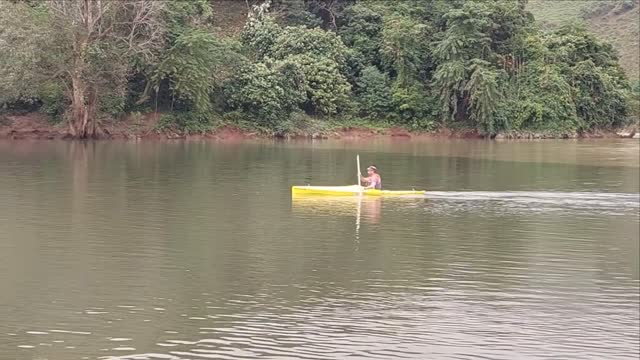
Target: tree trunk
{"type": "Point", "coordinates": [83, 109]}
{"type": "Point", "coordinates": [78, 108]}
{"type": "Point", "coordinates": [84, 97]}
{"type": "Point", "coordinates": [90, 113]}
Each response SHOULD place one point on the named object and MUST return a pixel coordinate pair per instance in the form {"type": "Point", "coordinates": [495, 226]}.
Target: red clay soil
{"type": "Point", "coordinates": [36, 126]}
{"type": "Point", "coordinates": [30, 126]}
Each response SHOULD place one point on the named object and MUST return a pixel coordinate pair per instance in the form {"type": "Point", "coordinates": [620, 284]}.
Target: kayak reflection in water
{"type": "Point", "coordinates": [373, 180]}
{"type": "Point", "coordinates": [366, 209]}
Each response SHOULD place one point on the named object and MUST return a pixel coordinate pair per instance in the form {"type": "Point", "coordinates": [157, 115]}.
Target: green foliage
{"type": "Point", "coordinates": [449, 83]}
{"type": "Point", "coordinates": [267, 92]}
{"type": "Point", "coordinates": [598, 85]}
{"type": "Point", "coordinates": [510, 25]}
{"type": "Point", "coordinates": [412, 106]}
{"type": "Point", "coordinates": [465, 79]}
{"type": "Point", "coordinates": [111, 104]}
{"type": "Point", "coordinates": [361, 30]}
{"type": "Point", "coordinates": [327, 89]}
{"type": "Point", "coordinates": [53, 101]}
{"type": "Point", "coordinates": [572, 43]}
{"type": "Point", "coordinates": [634, 104]}
{"type": "Point", "coordinates": [616, 21]}
{"type": "Point", "coordinates": [298, 40]}
{"type": "Point", "coordinates": [260, 36]}
{"type": "Point", "coordinates": [415, 63]}
{"type": "Point", "coordinates": [467, 35]}
{"type": "Point", "coordinates": [599, 102]}
{"type": "Point", "coordinates": [182, 16]}
{"type": "Point", "coordinates": [374, 93]}
{"type": "Point", "coordinates": [295, 12]}
{"type": "Point", "coordinates": [540, 101]}
{"type": "Point", "coordinates": [22, 33]}
{"type": "Point", "coordinates": [404, 47]}
{"type": "Point", "coordinates": [484, 95]}
{"type": "Point", "coordinates": [319, 55]}
{"type": "Point", "coordinates": [194, 65]}
{"type": "Point", "coordinates": [190, 122]}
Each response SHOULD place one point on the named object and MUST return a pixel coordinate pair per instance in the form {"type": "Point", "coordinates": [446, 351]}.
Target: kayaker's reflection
{"type": "Point", "coordinates": [371, 209]}
{"type": "Point", "coordinates": [366, 209]}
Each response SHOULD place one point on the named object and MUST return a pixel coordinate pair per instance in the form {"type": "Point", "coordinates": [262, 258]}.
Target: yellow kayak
{"type": "Point", "coordinates": [350, 190]}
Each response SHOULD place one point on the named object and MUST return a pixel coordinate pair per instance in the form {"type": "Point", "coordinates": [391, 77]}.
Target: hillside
{"type": "Point", "coordinates": [617, 21]}
{"type": "Point", "coordinates": [305, 66]}
{"type": "Point", "coordinates": [229, 17]}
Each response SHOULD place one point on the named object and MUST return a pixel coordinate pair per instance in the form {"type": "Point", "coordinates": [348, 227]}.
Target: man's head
{"type": "Point", "coordinates": [372, 169]}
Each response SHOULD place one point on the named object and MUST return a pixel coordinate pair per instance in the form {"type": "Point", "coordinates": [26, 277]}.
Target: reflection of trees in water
{"type": "Point", "coordinates": [78, 155]}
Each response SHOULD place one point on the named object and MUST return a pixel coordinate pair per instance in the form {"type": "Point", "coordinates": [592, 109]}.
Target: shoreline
{"type": "Point", "coordinates": [36, 126]}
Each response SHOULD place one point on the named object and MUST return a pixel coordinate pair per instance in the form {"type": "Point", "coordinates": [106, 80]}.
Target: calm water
{"type": "Point", "coordinates": [522, 250]}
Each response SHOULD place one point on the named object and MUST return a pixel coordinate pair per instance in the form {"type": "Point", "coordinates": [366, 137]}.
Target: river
{"type": "Point", "coordinates": [160, 250]}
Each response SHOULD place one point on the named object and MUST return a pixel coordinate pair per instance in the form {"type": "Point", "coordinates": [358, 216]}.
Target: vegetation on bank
{"type": "Point", "coordinates": [300, 65]}
{"type": "Point", "coordinates": [616, 21]}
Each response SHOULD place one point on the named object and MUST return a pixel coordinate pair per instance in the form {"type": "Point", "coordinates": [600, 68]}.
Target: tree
{"type": "Point", "coordinates": [298, 40]}
{"type": "Point", "coordinates": [98, 38]}
{"type": "Point", "coordinates": [374, 93]}
{"type": "Point", "coordinates": [319, 54]}
{"type": "Point", "coordinates": [404, 47]}
{"type": "Point", "coordinates": [449, 83]}
{"type": "Point", "coordinates": [260, 35]}
{"type": "Point", "coordinates": [540, 101]}
{"type": "Point", "coordinates": [328, 11]}
{"type": "Point", "coordinates": [326, 88]}
{"type": "Point", "coordinates": [195, 65]}
{"type": "Point", "coordinates": [86, 46]}
{"type": "Point", "coordinates": [23, 32]}
{"type": "Point", "coordinates": [268, 92]}
{"type": "Point", "coordinates": [296, 13]}
{"type": "Point", "coordinates": [484, 95]}
{"type": "Point", "coordinates": [466, 79]}
{"type": "Point", "coordinates": [599, 102]}
{"type": "Point", "coordinates": [361, 30]}
{"type": "Point", "coordinates": [480, 63]}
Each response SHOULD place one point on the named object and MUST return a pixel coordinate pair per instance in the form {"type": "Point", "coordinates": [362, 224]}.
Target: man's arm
{"type": "Point", "coordinates": [372, 183]}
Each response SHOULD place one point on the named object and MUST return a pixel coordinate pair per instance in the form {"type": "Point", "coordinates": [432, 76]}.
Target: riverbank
{"type": "Point", "coordinates": [36, 126]}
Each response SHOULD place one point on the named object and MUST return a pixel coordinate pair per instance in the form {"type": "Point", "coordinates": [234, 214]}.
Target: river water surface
{"type": "Point", "coordinates": [148, 250]}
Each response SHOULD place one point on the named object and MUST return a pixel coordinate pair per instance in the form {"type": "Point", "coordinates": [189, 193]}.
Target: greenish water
{"type": "Point", "coordinates": [197, 250]}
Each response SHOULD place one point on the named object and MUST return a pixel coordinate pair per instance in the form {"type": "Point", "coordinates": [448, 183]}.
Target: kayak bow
{"type": "Point", "coordinates": [350, 190]}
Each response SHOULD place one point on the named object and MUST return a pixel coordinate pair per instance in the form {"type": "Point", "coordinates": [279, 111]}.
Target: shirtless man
{"type": "Point", "coordinates": [373, 180]}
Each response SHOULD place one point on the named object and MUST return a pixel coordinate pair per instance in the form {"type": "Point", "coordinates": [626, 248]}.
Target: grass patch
{"type": "Point", "coordinates": [188, 122]}
{"type": "Point", "coordinates": [554, 13]}
{"type": "Point", "coordinates": [301, 124]}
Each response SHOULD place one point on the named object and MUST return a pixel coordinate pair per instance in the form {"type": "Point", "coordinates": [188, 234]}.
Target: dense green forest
{"type": "Point", "coordinates": [419, 64]}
